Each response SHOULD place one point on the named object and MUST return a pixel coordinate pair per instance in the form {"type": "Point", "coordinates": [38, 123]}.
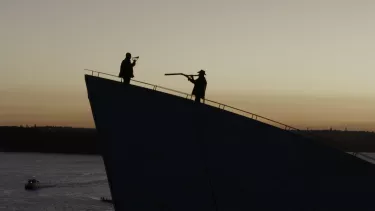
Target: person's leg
{"type": "Point", "coordinates": [197, 99]}
{"type": "Point", "coordinates": [126, 81]}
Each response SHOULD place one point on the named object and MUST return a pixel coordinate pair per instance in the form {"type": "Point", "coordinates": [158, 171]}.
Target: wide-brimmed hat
{"type": "Point", "coordinates": [202, 71]}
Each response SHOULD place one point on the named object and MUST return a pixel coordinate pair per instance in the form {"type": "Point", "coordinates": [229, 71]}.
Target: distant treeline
{"type": "Point", "coordinates": [349, 141]}
{"type": "Point", "coordinates": [84, 141]}
{"type": "Point", "coordinates": [48, 140]}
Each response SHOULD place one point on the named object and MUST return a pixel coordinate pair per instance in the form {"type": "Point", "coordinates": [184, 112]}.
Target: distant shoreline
{"type": "Point", "coordinates": [63, 140]}
{"type": "Point", "coordinates": [47, 153]}
{"type": "Point", "coordinates": [68, 140]}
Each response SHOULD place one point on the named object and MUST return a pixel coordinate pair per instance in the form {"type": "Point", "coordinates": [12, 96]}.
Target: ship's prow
{"type": "Point", "coordinates": [164, 152]}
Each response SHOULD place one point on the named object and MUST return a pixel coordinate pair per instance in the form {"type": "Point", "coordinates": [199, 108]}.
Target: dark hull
{"type": "Point", "coordinates": [37, 186]}
{"type": "Point", "coordinates": [31, 187]}
{"type": "Point", "coordinates": [163, 152]}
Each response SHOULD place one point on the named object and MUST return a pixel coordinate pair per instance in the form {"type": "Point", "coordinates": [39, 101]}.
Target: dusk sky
{"type": "Point", "coordinates": [306, 63]}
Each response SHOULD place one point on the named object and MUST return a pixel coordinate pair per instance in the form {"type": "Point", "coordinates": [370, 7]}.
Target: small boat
{"type": "Point", "coordinates": [33, 184]}
{"type": "Point", "coordinates": [106, 200]}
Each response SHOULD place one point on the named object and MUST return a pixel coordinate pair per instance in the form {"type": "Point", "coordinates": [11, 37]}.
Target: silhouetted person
{"type": "Point", "coordinates": [126, 69]}
{"type": "Point", "coordinates": [200, 85]}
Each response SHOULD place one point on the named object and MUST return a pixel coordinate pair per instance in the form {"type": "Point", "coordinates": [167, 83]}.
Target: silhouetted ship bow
{"type": "Point", "coordinates": [165, 152]}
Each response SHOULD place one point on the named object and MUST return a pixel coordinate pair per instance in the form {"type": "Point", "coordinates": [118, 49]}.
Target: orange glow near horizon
{"type": "Point", "coordinates": [303, 63]}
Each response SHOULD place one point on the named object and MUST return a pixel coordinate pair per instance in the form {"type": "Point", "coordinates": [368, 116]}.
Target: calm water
{"type": "Point", "coordinates": [81, 182]}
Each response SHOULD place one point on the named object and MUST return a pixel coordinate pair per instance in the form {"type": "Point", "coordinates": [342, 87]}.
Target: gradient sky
{"type": "Point", "coordinates": [305, 63]}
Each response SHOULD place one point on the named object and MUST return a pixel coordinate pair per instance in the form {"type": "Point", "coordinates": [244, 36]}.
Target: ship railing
{"type": "Point", "coordinates": [222, 106]}
{"type": "Point", "coordinates": [206, 101]}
